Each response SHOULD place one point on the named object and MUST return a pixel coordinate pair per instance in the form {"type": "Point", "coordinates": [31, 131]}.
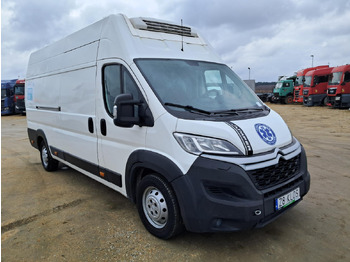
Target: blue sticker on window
{"type": "Point", "coordinates": [266, 133]}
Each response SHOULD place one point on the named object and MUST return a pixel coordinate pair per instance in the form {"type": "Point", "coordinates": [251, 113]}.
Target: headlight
{"type": "Point", "coordinates": [200, 144]}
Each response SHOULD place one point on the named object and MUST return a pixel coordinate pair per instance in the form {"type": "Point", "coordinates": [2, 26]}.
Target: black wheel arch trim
{"type": "Point", "coordinates": [140, 162]}
{"type": "Point", "coordinates": [35, 137]}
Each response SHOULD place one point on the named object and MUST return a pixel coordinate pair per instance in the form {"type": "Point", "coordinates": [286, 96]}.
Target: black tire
{"type": "Point", "coordinates": [325, 101]}
{"type": "Point", "coordinates": [158, 207]}
{"type": "Point", "coordinates": [288, 100]}
{"type": "Point", "coordinates": [47, 161]}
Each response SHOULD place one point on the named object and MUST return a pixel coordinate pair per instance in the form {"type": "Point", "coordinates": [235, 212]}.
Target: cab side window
{"type": "Point", "coordinates": [347, 77]}
{"type": "Point", "coordinates": [117, 80]}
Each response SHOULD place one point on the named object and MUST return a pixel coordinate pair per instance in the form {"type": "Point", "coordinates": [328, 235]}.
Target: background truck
{"type": "Point", "coordinates": [20, 107]}
{"type": "Point", "coordinates": [299, 83]}
{"type": "Point", "coordinates": [315, 86]}
{"type": "Point", "coordinates": [7, 97]}
{"type": "Point", "coordinates": [338, 93]}
{"type": "Point", "coordinates": [283, 91]}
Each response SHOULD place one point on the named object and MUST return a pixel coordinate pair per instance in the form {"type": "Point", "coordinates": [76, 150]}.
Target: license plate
{"type": "Point", "coordinates": [287, 199]}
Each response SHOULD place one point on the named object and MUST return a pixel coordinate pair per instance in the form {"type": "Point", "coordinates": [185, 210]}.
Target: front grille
{"type": "Point", "coordinates": [269, 176]}
{"type": "Point", "coordinates": [296, 94]}
{"type": "Point", "coordinates": [306, 92]}
{"type": "Point", "coordinates": [332, 91]}
{"type": "Point", "coordinates": [20, 103]}
{"type": "Point", "coordinates": [168, 28]}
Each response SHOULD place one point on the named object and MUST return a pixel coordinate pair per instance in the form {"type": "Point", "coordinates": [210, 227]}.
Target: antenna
{"type": "Point", "coordinates": [182, 37]}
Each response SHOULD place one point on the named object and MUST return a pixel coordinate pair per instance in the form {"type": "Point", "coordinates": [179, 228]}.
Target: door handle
{"type": "Point", "coordinates": [91, 125]}
{"type": "Point", "coordinates": [103, 127]}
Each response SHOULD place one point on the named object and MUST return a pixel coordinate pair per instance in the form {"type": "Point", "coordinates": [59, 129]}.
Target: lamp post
{"type": "Point", "coordinates": [249, 73]}
{"type": "Point", "coordinates": [312, 60]}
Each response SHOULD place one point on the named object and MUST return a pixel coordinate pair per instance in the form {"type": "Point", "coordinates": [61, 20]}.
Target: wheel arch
{"type": "Point", "coordinates": [144, 162]}
{"type": "Point", "coordinates": [36, 137]}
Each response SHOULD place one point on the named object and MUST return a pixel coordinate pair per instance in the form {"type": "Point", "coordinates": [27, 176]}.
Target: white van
{"type": "Point", "coordinates": [147, 108]}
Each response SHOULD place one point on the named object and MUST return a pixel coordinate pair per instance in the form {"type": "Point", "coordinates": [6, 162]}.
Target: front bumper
{"type": "Point", "coordinates": [314, 100]}
{"type": "Point", "coordinates": [220, 196]}
{"type": "Point", "coordinates": [340, 101]}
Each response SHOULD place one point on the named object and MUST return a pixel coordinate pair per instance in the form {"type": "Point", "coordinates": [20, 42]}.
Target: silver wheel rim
{"type": "Point", "coordinates": [155, 207]}
{"type": "Point", "coordinates": [45, 156]}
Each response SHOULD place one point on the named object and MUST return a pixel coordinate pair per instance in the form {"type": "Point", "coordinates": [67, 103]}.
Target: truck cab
{"type": "Point", "coordinates": [283, 91]}
{"type": "Point", "coordinates": [20, 107]}
{"type": "Point", "coordinates": [338, 93]}
{"type": "Point", "coordinates": [315, 87]}
{"type": "Point", "coordinates": [7, 97]}
{"type": "Point", "coordinates": [299, 83]}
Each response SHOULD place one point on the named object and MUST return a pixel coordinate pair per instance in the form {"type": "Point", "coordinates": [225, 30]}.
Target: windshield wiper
{"type": "Point", "coordinates": [236, 111]}
{"type": "Point", "coordinates": [189, 108]}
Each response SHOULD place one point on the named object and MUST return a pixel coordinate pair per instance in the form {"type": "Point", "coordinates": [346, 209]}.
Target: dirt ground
{"type": "Point", "coordinates": [66, 216]}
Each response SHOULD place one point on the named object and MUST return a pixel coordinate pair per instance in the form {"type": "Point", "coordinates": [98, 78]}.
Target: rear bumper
{"type": "Point", "coordinates": [218, 196]}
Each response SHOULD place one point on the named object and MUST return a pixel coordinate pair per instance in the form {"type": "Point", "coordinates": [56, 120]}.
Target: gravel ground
{"type": "Point", "coordinates": [66, 216]}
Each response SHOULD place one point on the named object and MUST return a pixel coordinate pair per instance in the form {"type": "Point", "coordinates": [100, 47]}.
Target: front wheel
{"type": "Point", "coordinates": [325, 101]}
{"type": "Point", "coordinates": [47, 161]}
{"type": "Point", "coordinates": [288, 99]}
{"type": "Point", "coordinates": [158, 207]}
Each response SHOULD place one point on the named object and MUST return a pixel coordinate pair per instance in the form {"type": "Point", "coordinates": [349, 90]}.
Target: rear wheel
{"type": "Point", "coordinates": [47, 161]}
{"type": "Point", "coordinates": [158, 207]}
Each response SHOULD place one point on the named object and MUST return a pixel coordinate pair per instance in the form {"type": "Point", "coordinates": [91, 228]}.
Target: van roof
{"type": "Point", "coordinates": [117, 36]}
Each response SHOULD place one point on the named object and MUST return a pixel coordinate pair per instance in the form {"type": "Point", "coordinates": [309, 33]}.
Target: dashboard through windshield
{"type": "Point", "coordinates": [187, 87]}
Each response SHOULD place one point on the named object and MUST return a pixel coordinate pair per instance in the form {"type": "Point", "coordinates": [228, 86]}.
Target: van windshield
{"type": "Point", "coordinates": [198, 87]}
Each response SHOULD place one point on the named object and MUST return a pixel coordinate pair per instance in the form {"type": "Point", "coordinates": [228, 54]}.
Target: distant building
{"type": "Point", "coordinates": [250, 83]}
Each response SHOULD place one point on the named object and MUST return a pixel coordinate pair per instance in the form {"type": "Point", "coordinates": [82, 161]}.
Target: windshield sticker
{"type": "Point", "coordinates": [266, 133]}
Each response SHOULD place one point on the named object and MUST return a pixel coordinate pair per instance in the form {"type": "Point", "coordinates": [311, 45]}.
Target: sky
{"type": "Point", "coordinates": [271, 37]}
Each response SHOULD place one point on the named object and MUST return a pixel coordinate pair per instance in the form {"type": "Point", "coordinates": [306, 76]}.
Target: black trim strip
{"type": "Point", "coordinates": [48, 108]}
{"type": "Point", "coordinates": [106, 174]}
{"type": "Point", "coordinates": [243, 137]}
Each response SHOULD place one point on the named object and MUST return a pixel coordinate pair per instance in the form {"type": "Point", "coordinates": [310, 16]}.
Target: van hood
{"type": "Point", "coordinates": [251, 136]}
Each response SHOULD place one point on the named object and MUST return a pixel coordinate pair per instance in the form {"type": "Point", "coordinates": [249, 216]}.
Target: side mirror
{"type": "Point", "coordinates": [128, 112]}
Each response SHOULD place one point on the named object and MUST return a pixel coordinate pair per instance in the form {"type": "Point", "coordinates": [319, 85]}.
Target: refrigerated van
{"type": "Point", "coordinates": [147, 108]}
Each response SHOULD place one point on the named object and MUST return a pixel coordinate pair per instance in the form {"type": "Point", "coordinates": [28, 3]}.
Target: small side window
{"type": "Point", "coordinates": [347, 77]}
{"type": "Point", "coordinates": [111, 85]}
{"type": "Point", "coordinates": [117, 80]}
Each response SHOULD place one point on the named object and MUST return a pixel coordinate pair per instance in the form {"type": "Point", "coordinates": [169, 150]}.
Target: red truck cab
{"type": "Point", "coordinates": [338, 93]}
{"type": "Point", "coordinates": [299, 83]}
{"type": "Point", "coordinates": [19, 97]}
{"type": "Point", "coordinates": [315, 86]}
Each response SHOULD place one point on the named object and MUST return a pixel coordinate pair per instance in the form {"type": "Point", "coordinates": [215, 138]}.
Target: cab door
{"type": "Point", "coordinates": [115, 144]}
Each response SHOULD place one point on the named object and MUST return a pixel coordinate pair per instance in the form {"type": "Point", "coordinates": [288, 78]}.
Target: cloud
{"type": "Point", "coordinates": [271, 37]}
